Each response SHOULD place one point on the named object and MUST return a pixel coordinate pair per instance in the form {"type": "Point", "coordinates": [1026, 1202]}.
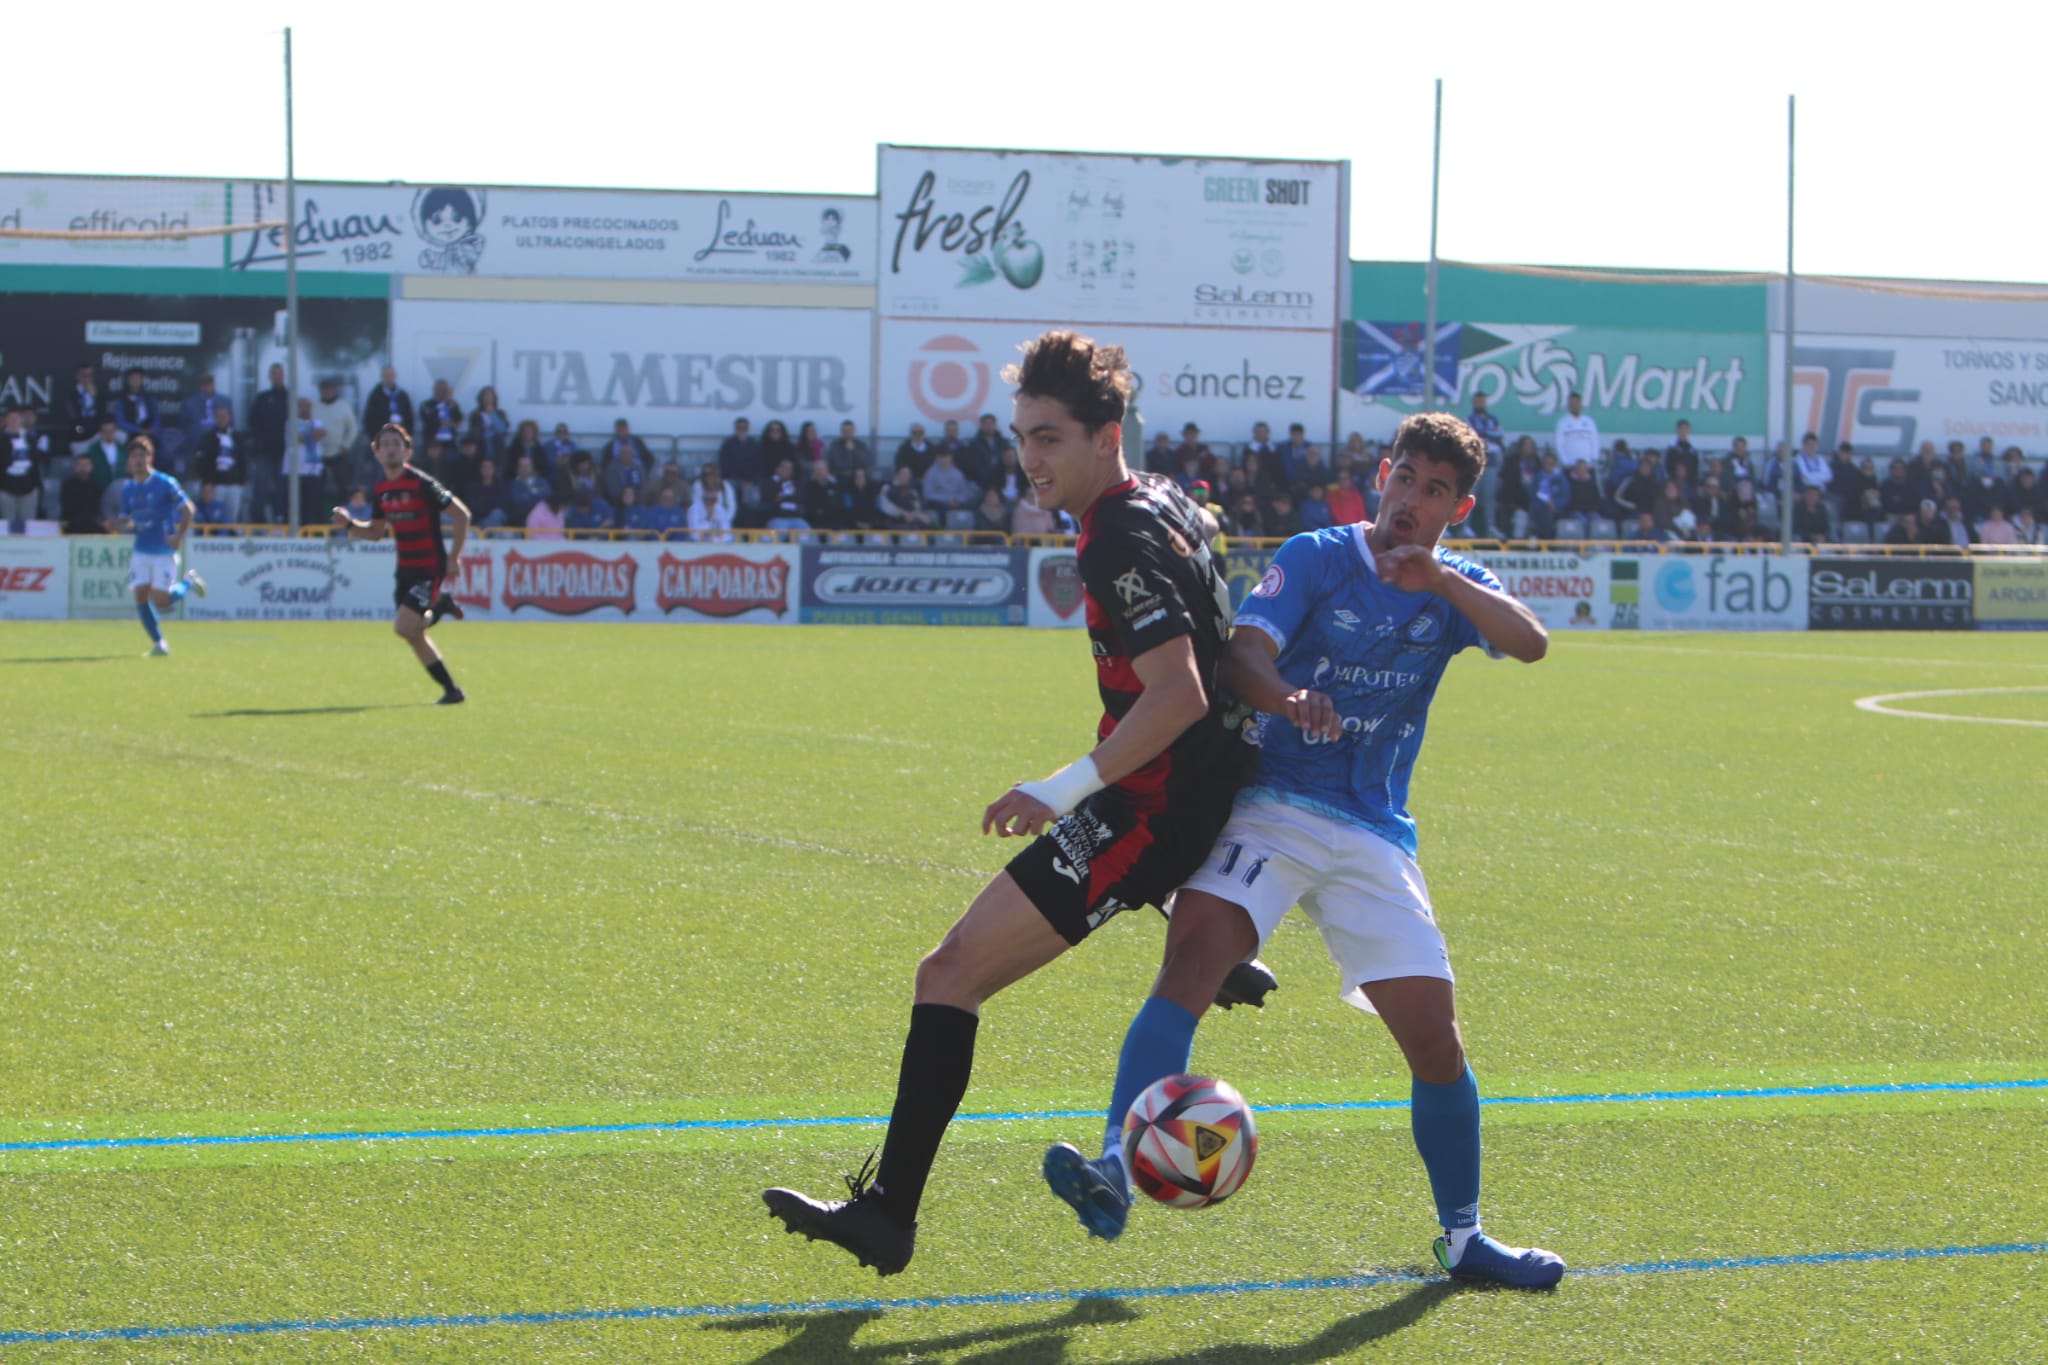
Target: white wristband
{"type": "Point", "coordinates": [1068, 787]}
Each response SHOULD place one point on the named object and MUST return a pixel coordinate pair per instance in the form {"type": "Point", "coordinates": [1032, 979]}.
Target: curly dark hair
{"type": "Point", "coordinates": [1094, 382]}
{"type": "Point", "coordinates": [1445, 439]}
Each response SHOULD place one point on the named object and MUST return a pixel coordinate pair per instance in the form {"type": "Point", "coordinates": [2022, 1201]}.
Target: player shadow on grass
{"type": "Point", "coordinates": [306, 710]}
{"type": "Point", "coordinates": [829, 1336]}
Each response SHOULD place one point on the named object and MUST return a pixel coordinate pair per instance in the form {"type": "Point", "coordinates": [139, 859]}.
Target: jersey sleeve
{"type": "Point", "coordinates": [1131, 577]}
{"type": "Point", "coordinates": [435, 492]}
{"type": "Point", "coordinates": [1463, 634]}
{"type": "Point", "coordinates": [1279, 605]}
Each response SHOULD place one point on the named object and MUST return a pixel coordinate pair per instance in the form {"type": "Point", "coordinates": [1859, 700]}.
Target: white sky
{"type": "Point", "coordinates": [1576, 131]}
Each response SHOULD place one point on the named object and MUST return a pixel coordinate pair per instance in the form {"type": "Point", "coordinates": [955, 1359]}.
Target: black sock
{"type": "Point", "coordinates": [938, 1057]}
{"type": "Point", "coordinates": [438, 671]}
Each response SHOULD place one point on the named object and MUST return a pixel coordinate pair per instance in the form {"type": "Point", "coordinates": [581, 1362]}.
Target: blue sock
{"type": "Point", "coordinates": [147, 611]}
{"type": "Point", "coordinates": [1158, 1044]}
{"type": "Point", "coordinates": [179, 589]}
{"type": "Point", "coordinates": [1445, 1119]}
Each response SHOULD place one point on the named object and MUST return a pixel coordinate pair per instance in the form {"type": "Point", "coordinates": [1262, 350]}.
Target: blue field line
{"type": "Point", "coordinates": [812, 1308]}
{"type": "Point", "coordinates": [1007, 1116]}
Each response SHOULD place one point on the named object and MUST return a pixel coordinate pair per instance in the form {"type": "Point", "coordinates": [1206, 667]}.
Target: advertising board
{"type": "Point", "coordinates": [1891, 594]}
{"type": "Point", "coordinates": [1710, 592]}
{"type": "Point", "coordinates": [896, 587]}
{"type": "Point", "coordinates": [2011, 594]}
{"type": "Point", "coordinates": [35, 578]}
{"type": "Point", "coordinates": [1886, 395]}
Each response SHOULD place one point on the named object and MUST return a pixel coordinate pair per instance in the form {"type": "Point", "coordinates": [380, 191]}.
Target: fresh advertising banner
{"type": "Point", "coordinates": [1635, 384]}
{"type": "Point", "coordinates": [174, 339]}
{"type": "Point", "coordinates": [1885, 395]}
{"type": "Point", "coordinates": [500, 580]}
{"type": "Point", "coordinates": [1708, 592]}
{"type": "Point", "coordinates": [898, 587]}
{"type": "Point", "coordinates": [1891, 594]}
{"type": "Point", "coordinates": [556, 233]}
{"type": "Point", "coordinates": [935, 372]}
{"type": "Point", "coordinates": [1088, 239]}
{"type": "Point", "coordinates": [662, 367]}
{"type": "Point", "coordinates": [1056, 602]}
{"type": "Point", "coordinates": [2011, 594]}
{"type": "Point", "coordinates": [90, 204]}
{"type": "Point", "coordinates": [99, 577]}
{"type": "Point", "coordinates": [35, 578]}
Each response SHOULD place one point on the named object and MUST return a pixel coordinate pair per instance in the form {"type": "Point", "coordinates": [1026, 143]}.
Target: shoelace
{"type": "Point", "coordinates": [857, 1183]}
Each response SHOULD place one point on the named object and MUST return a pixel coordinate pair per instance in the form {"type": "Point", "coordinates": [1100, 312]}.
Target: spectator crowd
{"type": "Point", "coordinates": [66, 464]}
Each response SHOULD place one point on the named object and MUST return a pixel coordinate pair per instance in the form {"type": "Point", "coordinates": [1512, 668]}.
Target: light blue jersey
{"type": "Point", "coordinates": [1374, 650]}
{"type": "Point", "coordinates": [153, 505]}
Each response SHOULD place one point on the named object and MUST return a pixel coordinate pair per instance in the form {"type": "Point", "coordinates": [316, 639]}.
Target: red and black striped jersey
{"type": "Point", "coordinates": [1148, 577]}
{"type": "Point", "coordinates": [411, 504]}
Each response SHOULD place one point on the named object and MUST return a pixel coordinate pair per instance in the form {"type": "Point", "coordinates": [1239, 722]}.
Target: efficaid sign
{"type": "Point", "coordinates": [569, 582]}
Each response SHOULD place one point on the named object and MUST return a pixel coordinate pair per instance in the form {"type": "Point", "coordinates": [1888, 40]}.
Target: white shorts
{"type": "Point", "coordinates": [157, 572]}
{"type": "Point", "coordinates": [1365, 895]}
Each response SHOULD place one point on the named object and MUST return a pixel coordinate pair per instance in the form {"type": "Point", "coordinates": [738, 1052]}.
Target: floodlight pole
{"type": "Point", "coordinates": [1791, 284]}
{"type": "Point", "coordinates": [291, 300]}
{"type": "Point", "coordinates": [1436, 159]}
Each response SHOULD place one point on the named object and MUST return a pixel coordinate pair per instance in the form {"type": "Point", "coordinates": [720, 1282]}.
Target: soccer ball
{"type": "Point", "coordinates": [1189, 1141]}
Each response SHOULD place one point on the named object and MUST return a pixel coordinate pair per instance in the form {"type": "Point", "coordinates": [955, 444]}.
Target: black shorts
{"type": "Point", "coordinates": [417, 588]}
{"type": "Point", "coordinates": [1106, 856]}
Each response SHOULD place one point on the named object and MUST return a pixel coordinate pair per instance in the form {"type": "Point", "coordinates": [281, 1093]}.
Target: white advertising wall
{"type": "Point", "coordinates": [1223, 381]}
{"type": "Point", "coordinates": [35, 578]}
{"type": "Point", "coordinates": [1162, 240]}
{"type": "Point", "coordinates": [86, 204]}
{"type": "Point", "coordinates": [664, 368]}
{"type": "Point", "coordinates": [1887, 394]}
{"type": "Point", "coordinates": [279, 579]}
{"type": "Point", "coordinates": [609, 234]}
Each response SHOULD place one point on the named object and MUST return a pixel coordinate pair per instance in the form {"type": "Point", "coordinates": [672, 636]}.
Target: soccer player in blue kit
{"type": "Point", "coordinates": [157, 510]}
{"type": "Point", "coordinates": [1339, 650]}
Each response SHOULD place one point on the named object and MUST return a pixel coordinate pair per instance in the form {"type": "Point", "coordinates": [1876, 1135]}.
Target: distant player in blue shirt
{"type": "Point", "coordinates": [1339, 650]}
{"type": "Point", "coordinates": [157, 510]}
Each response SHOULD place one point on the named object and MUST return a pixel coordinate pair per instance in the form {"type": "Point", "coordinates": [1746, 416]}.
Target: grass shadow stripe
{"type": "Point", "coordinates": [1021, 1299]}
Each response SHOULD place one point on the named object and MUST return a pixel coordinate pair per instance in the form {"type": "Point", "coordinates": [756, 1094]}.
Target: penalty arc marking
{"type": "Point", "coordinates": [1882, 705]}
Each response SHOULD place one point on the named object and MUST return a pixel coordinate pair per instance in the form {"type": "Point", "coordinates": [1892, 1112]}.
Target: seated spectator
{"type": "Point", "coordinates": [489, 426]}
{"type": "Point", "coordinates": [469, 457]}
{"type": "Point", "coordinates": [1281, 521]}
{"type": "Point", "coordinates": [985, 448]}
{"type": "Point", "coordinates": [441, 416]}
{"type": "Point", "coordinates": [1292, 457]}
{"type": "Point", "coordinates": [945, 488]}
{"type": "Point", "coordinates": [1027, 518]}
{"type": "Point", "coordinates": [1161, 458]}
{"type": "Point", "coordinates": [632, 516]}
{"type": "Point", "coordinates": [588, 516]}
{"type": "Point", "coordinates": [777, 447]}
{"type": "Point", "coordinates": [1671, 512]}
{"type": "Point", "coordinates": [1904, 531]}
{"type": "Point", "coordinates": [2012, 465]}
{"type": "Point", "coordinates": [528, 488]}
{"type": "Point", "coordinates": [211, 509]}
{"type": "Point", "coordinates": [992, 514]}
{"type": "Point", "coordinates": [2027, 528]}
{"type": "Point", "coordinates": [1645, 528]}
{"type": "Point", "coordinates": [544, 520]}
{"type": "Point", "coordinates": [1955, 522]}
{"type": "Point", "coordinates": [862, 494]}
{"type": "Point", "coordinates": [1810, 518]}
{"type": "Point", "coordinates": [1008, 477]}
{"type": "Point", "coordinates": [1995, 529]}
{"type": "Point", "coordinates": [809, 445]}
{"type": "Point", "coordinates": [78, 500]}
{"type": "Point", "coordinates": [1739, 465]}
{"type": "Point", "coordinates": [915, 454]}
{"type": "Point", "coordinates": [1635, 493]}
{"type": "Point", "coordinates": [526, 442]}
{"type": "Point", "coordinates": [1585, 490]}
{"type": "Point", "coordinates": [1246, 519]}
{"type": "Point", "coordinates": [2029, 492]}
{"type": "Point", "coordinates": [1548, 497]}
{"type": "Point", "coordinates": [220, 457]}
{"type": "Point", "coordinates": [820, 498]}
{"type": "Point", "coordinates": [561, 449]}
{"type": "Point", "coordinates": [490, 501]}
{"type": "Point", "coordinates": [671, 478]}
{"type": "Point", "coordinates": [781, 500]}
{"type": "Point", "coordinates": [1191, 446]}
{"type": "Point", "coordinates": [965, 460]}
{"type": "Point", "coordinates": [1347, 503]}
{"type": "Point", "coordinates": [434, 461]}
{"type": "Point", "coordinates": [1315, 508]}
{"type": "Point", "coordinates": [902, 503]}
{"type": "Point", "coordinates": [1715, 510]}
{"type": "Point", "coordinates": [849, 452]}
{"type": "Point", "coordinates": [627, 469]}
{"type": "Point", "coordinates": [714, 508]}
{"type": "Point", "coordinates": [582, 476]}
{"type": "Point", "coordinates": [665, 517]}
{"type": "Point", "coordinates": [624, 441]}
{"type": "Point", "coordinates": [1314, 469]}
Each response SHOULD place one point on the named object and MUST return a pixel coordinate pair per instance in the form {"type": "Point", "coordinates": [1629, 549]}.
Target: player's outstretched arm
{"type": "Point", "coordinates": [1249, 672]}
{"type": "Point", "coordinates": [1174, 698]}
{"type": "Point", "coordinates": [1504, 623]}
{"type": "Point", "coordinates": [374, 529]}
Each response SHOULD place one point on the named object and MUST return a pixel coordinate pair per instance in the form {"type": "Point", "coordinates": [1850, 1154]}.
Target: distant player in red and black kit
{"type": "Point", "coordinates": [409, 508]}
{"type": "Point", "coordinates": [1129, 822]}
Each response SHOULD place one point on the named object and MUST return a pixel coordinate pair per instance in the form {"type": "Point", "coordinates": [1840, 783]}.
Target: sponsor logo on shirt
{"type": "Point", "coordinates": [1346, 620]}
{"type": "Point", "coordinates": [1130, 587]}
{"type": "Point", "coordinates": [722, 584]}
{"type": "Point", "coordinates": [1360, 676]}
{"type": "Point", "coordinates": [1271, 584]}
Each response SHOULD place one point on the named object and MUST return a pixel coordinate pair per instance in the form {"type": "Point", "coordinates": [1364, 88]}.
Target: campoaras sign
{"type": "Point", "coordinates": [722, 585]}
{"type": "Point", "coordinates": [569, 582]}
{"type": "Point", "coordinates": [627, 581]}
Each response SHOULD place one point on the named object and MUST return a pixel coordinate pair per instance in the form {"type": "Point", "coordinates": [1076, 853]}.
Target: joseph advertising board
{"type": "Point", "coordinates": [1163, 240]}
{"type": "Point", "coordinates": [898, 587]}
{"type": "Point", "coordinates": [662, 367]}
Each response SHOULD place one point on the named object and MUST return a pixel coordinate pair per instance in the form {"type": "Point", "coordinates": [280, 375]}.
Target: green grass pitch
{"type": "Point", "coordinates": [651, 875]}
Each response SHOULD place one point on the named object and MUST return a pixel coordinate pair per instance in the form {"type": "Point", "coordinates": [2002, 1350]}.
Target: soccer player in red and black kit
{"type": "Point", "coordinates": [1129, 822]}
{"type": "Point", "coordinates": [409, 508]}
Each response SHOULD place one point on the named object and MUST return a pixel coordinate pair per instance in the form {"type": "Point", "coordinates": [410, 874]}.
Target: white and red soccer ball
{"type": "Point", "coordinates": [1189, 1141]}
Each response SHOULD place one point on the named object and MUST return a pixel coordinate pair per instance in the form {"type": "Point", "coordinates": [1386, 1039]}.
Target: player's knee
{"type": "Point", "coordinates": [1437, 1056]}
{"type": "Point", "coordinates": [945, 974]}
{"type": "Point", "coordinates": [1201, 947]}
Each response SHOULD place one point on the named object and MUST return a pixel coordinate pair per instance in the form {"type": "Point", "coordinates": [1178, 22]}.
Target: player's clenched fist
{"type": "Point", "coordinates": [1016, 812]}
{"type": "Point", "coordinates": [1315, 715]}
